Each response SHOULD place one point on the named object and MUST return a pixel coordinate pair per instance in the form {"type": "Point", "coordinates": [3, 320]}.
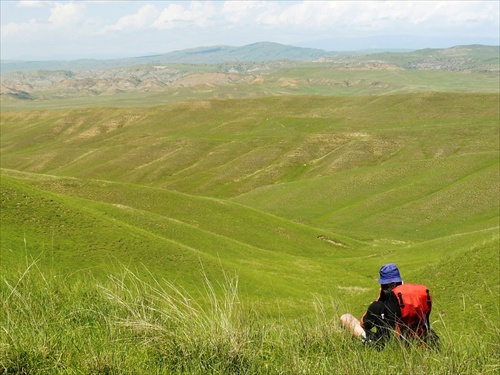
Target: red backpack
{"type": "Point", "coordinates": [415, 303]}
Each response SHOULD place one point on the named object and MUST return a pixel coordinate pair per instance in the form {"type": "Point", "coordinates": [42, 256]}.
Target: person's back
{"type": "Point", "coordinates": [383, 317]}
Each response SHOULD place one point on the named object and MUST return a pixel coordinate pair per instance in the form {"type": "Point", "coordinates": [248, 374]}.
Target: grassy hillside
{"type": "Point", "coordinates": [458, 58]}
{"type": "Point", "coordinates": [173, 235]}
{"type": "Point", "coordinates": [369, 176]}
{"type": "Point", "coordinates": [403, 167]}
{"type": "Point", "coordinates": [113, 220]}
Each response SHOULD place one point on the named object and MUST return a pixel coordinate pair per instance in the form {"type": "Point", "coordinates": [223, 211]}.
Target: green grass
{"type": "Point", "coordinates": [60, 325]}
{"type": "Point", "coordinates": [402, 167]}
{"type": "Point", "coordinates": [227, 236]}
{"type": "Point", "coordinates": [226, 148]}
{"type": "Point", "coordinates": [170, 233]}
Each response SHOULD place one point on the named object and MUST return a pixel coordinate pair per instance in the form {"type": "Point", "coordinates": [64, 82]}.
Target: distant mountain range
{"type": "Point", "coordinates": [257, 52]}
{"type": "Point", "coordinates": [224, 65]}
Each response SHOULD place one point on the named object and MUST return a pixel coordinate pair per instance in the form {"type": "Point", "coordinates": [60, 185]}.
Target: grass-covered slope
{"type": "Point", "coordinates": [227, 182]}
{"type": "Point", "coordinates": [299, 198]}
{"type": "Point", "coordinates": [401, 201]}
{"type": "Point", "coordinates": [98, 226]}
{"type": "Point", "coordinates": [401, 167]}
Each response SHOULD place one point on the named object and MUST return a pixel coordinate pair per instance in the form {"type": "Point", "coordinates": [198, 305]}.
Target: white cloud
{"type": "Point", "coordinates": [13, 28]}
{"type": "Point", "coordinates": [66, 14]}
{"type": "Point", "coordinates": [60, 15]}
{"type": "Point", "coordinates": [245, 12]}
{"type": "Point", "coordinates": [355, 16]}
{"type": "Point", "coordinates": [33, 3]}
{"type": "Point", "coordinates": [340, 17]}
{"type": "Point", "coordinates": [144, 17]}
{"type": "Point", "coordinates": [198, 13]}
{"type": "Point", "coordinates": [467, 13]}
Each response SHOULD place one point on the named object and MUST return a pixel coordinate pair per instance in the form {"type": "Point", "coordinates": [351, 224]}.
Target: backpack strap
{"type": "Point", "coordinates": [429, 303]}
{"type": "Point", "coordinates": [400, 300]}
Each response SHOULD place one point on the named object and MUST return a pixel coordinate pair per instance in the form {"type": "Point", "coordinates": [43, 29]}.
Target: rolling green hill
{"type": "Point", "coordinates": [302, 198]}
{"type": "Point", "coordinates": [173, 235]}
{"type": "Point", "coordinates": [264, 152]}
{"type": "Point", "coordinates": [458, 58]}
{"type": "Point", "coordinates": [375, 173]}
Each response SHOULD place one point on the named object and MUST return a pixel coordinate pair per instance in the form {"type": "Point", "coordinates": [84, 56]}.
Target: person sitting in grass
{"type": "Point", "coordinates": [380, 318]}
{"type": "Point", "coordinates": [402, 310]}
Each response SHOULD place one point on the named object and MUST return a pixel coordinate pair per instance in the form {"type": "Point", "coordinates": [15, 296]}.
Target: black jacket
{"type": "Point", "coordinates": [379, 320]}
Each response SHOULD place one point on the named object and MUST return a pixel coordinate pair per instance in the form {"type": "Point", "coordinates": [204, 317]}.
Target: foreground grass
{"type": "Point", "coordinates": [129, 324]}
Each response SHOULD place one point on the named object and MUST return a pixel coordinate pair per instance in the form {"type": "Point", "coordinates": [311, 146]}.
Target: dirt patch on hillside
{"type": "Point", "coordinates": [331, 240]}
{"type": "Point", "coordinates": [122, 206]}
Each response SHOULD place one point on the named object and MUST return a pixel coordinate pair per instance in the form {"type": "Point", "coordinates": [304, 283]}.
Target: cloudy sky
{"type": "Point", "coordinates": [43, 29]}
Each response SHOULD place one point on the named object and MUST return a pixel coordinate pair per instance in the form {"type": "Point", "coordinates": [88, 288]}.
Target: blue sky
{"type": "Point", "coordinates": [114, 28]}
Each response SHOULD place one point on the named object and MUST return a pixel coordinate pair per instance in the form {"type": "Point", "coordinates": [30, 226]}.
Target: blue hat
{"type": "Point", "coordinates": [389, 273]}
